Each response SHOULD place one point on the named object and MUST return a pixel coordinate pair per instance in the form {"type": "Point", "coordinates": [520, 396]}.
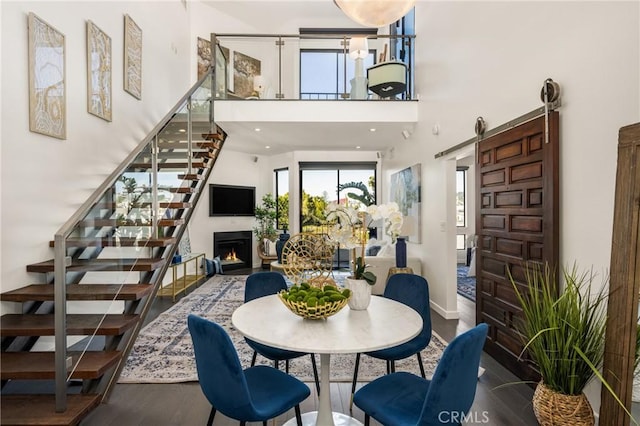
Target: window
{"type": "Point", "coordinates": [322, 73]}
{"type": "Point", "coordinates": [320, 183]}
{"type": "Point", "coordinates": [461, 206]}
{"type": "Point", "coordinates": [461, 197]}
{"type": "Point", "coordinates": [282, 198]}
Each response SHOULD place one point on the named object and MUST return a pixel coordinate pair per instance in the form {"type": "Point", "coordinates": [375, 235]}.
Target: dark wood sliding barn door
{"type": "Point", "coordinates": [517, 221]}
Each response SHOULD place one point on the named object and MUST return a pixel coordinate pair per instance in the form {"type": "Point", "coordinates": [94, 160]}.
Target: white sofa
{"type": "Point", "coordinates": [380, 265]}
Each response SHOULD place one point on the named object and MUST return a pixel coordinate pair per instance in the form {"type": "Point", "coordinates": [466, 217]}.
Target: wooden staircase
{"type": "Point", "coordinates": [28, 391]}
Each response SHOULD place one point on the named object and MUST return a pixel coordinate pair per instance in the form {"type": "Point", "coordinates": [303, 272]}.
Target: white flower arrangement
{"type": "Point", "coordinates": [351, 228]}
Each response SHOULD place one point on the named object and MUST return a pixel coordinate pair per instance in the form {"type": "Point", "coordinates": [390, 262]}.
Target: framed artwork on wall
{"type": "Point", "coordinates": [204, 56]}
{"type": "Point", "coordinates": [47, 79]}
{"type": "Point", "coordinates": [98, 72]}
{"type": "Point", "coordinates": [245, 68]}
{"type": "Point", "coordinates": [405, 190]}
{"type": "Point", "coordinates": [132, 58]}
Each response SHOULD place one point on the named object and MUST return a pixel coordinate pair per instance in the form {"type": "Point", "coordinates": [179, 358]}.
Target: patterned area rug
{"type": "Point", "coordinates": [163, 352]}
{"type": "Point", "coordinates": [466, 285]}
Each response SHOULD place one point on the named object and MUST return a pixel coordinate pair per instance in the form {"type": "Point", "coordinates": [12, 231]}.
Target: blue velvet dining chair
{"type": "Point", "coordinates": [255, 394]}
{"type": "Point", "coordinates": [262, 284]}
{"type": "Point", "coordinates": [403, 399]}
{"type": "Point", "coordinates": [413, 291]}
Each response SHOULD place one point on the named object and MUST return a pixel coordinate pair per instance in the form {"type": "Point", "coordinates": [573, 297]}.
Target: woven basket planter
{"type": "Point", "coordinates": [554, 409]}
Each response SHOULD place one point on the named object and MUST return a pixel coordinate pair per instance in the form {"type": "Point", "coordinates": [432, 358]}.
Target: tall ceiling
{"type": "Point", "coordinates": [314, 134]}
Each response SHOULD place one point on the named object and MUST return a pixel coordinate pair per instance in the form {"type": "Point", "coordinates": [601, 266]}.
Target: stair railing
{"type": "Point", "coordinates": [106, 193]}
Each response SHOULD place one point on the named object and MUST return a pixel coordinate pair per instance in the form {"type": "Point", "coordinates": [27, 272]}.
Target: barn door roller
{"type": "Point", "coordinates": [549, 94]}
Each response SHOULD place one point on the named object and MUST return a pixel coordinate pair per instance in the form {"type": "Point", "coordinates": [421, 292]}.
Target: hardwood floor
{"type": "Point", "coordinates": [500, 399]}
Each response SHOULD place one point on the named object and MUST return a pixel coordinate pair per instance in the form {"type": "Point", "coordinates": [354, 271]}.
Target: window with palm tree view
{"type": "Point", "coordinates": [323, 183]}
{"type": "Point", "coordinates": [351, 182]}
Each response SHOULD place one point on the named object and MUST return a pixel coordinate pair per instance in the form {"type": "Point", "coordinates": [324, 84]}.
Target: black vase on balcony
{"type": "Point", "coordinates": [280, 244]}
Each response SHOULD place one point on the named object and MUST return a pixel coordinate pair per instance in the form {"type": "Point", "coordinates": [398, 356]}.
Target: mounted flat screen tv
{"type": "Point", "coordinates": [230, 200]}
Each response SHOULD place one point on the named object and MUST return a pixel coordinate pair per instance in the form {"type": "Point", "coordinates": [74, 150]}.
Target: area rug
{"type": "Point", "coordinates": [163, 351]}
{"type": "Point", "coordinates": [466, 285]}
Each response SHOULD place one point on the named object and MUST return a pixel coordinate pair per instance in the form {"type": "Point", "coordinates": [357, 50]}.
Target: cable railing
{"type": "Point", "coordinates": [315, 67]}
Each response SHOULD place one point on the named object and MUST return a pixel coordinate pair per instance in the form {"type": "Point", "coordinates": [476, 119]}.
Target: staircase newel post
{"type": "Point", "coordinates": [155, 206]}
{"type": "Point", "coordinates": [189, 138]}
{"type": "Point", "coordinates": [60, 321]}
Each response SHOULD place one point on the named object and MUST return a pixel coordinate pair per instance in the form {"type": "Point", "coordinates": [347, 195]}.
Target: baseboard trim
{"type": "Point", "coordinates": [444, 313]}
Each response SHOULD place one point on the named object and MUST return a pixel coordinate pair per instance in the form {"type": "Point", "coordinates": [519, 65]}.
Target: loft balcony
{"type": "Point", "coordinates": [310, 92]}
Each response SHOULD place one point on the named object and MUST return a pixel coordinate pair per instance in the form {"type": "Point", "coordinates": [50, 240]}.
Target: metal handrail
{"type": "Point", "coordinates": [408, 42]}
{"type": "Point", "coordinates": [61, 260]}
{"type": "Point", "coordinates": [68, 226]}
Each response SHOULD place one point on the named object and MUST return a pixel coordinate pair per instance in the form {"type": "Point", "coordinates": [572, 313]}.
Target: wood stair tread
{"type": "Point", "coordinates": [78, 324]}
{"type": "Point", "coordinates": [171, 165]}
{"type": "Point", "coordinates": [98, 223]}
{"type": "Point", "coordinates": [184, 145]}
{"type": "Point", "coordinates": [190, 176]}
{"type": "Point", "coordinates": [41, 365]}
{"type": "Point", "coordinates": [170, 205]}
{"type": "Point", "coordinates": [40, 409]}
{"type": "Point", "coordinates": [44, 292]}
{"type": "Point", "coordinates": [119, 242]}
{"type": "Point", "coordinates": [78, 265]}
{"type": "Point", "coordinates": [213, 136]}
{"type": "Point", "coordinates": [182, 190]}
{"type": "Point", "coordinates": [166, 204]}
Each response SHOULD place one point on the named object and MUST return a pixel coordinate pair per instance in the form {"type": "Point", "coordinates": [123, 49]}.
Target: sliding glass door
{"type": "Point", "coordinates": [324, 183]}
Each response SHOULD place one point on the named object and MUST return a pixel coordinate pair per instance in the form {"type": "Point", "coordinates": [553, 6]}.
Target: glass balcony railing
{"type": "Point", "coordinates": [314, 67]}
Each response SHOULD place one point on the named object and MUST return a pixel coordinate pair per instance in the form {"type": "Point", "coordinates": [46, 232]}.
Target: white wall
{"type": "Point", "coordinates": [490, 59]}
{"type": "Point", "coordinates": [231, 168]}
{"type": "Point", "coordinates": [44, 179]}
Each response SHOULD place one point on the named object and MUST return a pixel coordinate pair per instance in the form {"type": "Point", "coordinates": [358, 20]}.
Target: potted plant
{"type": "Point", "coordinates": [266, 217]}
{"type": "Point", "coordinates": [564, 334]}
{"type": "Point", "coordinates": [266, 228]}
{"type": "Point", "coordinates": [350, 230]}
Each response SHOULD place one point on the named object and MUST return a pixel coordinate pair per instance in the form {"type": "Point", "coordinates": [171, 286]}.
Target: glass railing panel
{"type": "Point", "coordinates": [311, 67]}
{"type": "Point", "coordinates": [112, 240]}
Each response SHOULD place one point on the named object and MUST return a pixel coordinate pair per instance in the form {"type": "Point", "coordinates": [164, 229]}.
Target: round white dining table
{"type": "Point", "coordinates": [384, 324]}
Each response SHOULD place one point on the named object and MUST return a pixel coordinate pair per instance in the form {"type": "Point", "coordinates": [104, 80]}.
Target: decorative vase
{"type": "Point", "coordinates": [554, 408]}
{"type": "Point", "coordinates": [401, 253]}
{"type": "Point", "coordinates": [360, 294]}
{"type": "Point", "coordinates": [282, 239]}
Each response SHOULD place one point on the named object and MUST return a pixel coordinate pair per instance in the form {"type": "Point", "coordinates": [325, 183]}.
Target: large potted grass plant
{"type": "Point", "coordinates": [564, 334]}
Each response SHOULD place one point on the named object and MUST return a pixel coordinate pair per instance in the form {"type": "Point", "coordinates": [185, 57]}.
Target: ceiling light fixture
{"type": "Point", "coordinates": [257, 129]}
{"type": "Point", "coordinates": [358, 147]}
{"type": "Point", "coordinates": [267, 146]}
{"type": "Point", "coordinates": [375, 13]}
{"type": "Point", "coordinates": [372, 129]}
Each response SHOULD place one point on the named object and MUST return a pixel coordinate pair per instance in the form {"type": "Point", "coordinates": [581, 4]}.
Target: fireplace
{"type": "Point", "coordinates": [234, 249]}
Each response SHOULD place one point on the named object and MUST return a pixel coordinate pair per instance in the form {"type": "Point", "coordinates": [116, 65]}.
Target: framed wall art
{"type": "Point", "coordinates": [405, 190]}
{"type": "Point", "coordinates": [47, 79]}
{"type": "Point", "coordinates": [245, 68]}
{"type": "Point", "coordinates": [98, 72]}
{"type": "Point", "coordinates": [204, 56]}
{"type": "Point", "coordinates": [132, 58]}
